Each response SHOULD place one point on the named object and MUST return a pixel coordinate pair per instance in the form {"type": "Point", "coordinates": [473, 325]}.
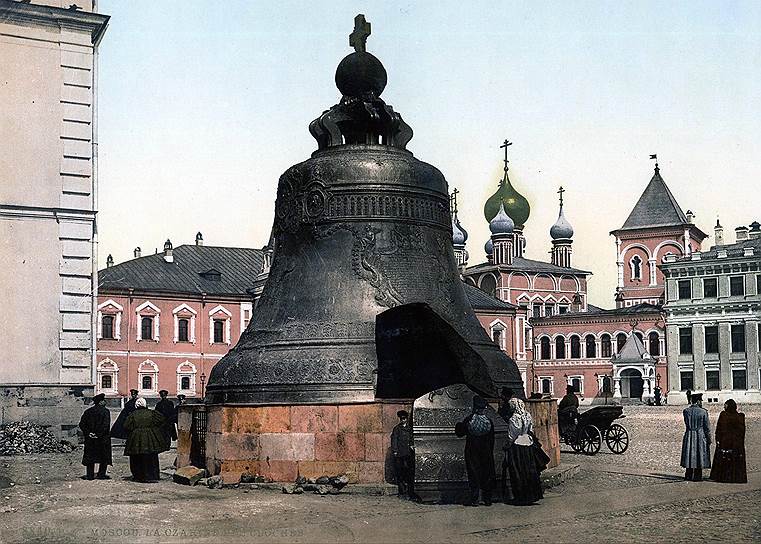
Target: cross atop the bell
{"type": "Point", "coordinates": [560, 192]}
{"type": "Point", "coordinates": [505, 145]}
{"type": "Point", "coordinates": [358, 38]}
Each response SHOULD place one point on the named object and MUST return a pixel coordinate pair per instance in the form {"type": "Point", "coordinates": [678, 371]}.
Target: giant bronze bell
{"type": "Point", "coordinates": [361, 228]}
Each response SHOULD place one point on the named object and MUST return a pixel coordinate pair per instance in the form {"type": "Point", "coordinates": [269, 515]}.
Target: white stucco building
{"type": "Point", "coordinates": [48, 206]}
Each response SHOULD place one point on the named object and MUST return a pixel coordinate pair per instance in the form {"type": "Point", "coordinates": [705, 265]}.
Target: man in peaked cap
{"type": "Point", "coordinates": [165, 407]}
{"type": "Point", "coordinates": [404, 456]}
{"type": "Point", "coordinates": [697, 439]}
{"type": "Point", "coordinates": [95, 423]}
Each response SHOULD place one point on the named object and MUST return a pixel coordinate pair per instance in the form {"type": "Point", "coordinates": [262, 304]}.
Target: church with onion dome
{"type": "Point", "coordinates": [558, 338]}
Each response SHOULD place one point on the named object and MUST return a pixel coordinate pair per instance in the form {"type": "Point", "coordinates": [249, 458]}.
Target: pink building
{"type": "Point", "coordinates": [561, 339]}
{"type": "Point", "coordinates": [164, 320]}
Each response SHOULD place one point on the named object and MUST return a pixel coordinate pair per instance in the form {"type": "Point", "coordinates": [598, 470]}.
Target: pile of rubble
{"type": "Point", "coordinates": [23, 438]}
{"type": "Point", "coordinates": [324, 485]}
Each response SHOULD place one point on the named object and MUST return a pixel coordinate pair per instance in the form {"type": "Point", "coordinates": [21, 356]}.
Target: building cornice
{"type": "Point", "coordinates": [106, 292]}
{"type": "Point", "coordinates": [16, 12]}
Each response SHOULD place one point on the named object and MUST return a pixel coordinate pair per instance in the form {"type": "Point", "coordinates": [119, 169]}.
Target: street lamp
{"type": "Point", "coordinates": [203, 381]}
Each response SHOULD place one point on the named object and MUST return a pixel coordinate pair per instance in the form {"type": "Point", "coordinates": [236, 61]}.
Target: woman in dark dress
{"type": "Point", "coordinates": [729, 457]}
{"type": "Point", "coordinates": [525, 484]}
{"type": "Point", "coordinates": [145, 440]}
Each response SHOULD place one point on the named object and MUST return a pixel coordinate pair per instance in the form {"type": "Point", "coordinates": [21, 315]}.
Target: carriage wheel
{"type": "Point", "coordinates": [590, 439]}
{"type": "Point", "coordinates": [617, 438]}
{"type": "Point", "coordinates": [574, 443]}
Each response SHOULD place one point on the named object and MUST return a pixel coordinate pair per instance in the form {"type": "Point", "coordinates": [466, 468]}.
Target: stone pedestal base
{"type": "Point", "coordinates": [285, 442]}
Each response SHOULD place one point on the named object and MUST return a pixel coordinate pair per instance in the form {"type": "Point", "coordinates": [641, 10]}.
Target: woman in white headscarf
{"type": "Point", "coordinates": [521, 458]}
{"type": "Point", "coordinates": [145, 440]}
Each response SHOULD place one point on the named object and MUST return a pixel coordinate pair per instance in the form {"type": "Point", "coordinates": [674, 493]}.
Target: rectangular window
{"type": "Point", "coordinates": [739, 380]}
{"type": "Point", "coordinates": [685, 380]}
{"type": "Point", "coordinates": [736, 286]}
{"type": "Point", "coordinates": [712, 339]}
{"type": "Point", "coordinates": [738, 338]}
{"type": "Point", "coordinates": [710, 288]}
{"type": "Point", "coordinates": [219, 328]}
{"type": "Point", "coordinates": [107, 327]}
{"type": "Point", "coordinates": [685, 340]}
{"type": "Point", "coordinates": [758, 284]}
{"type": "Point", "coordinates": [182, 330]}
{"type": "Point", "coordinates": [537, 310]}
{"type": "Point", "coordinates": [564, 309]}
{"type": "Point", "coordinates": [185, 383]}
{"type": "Point", "coordinates": [685, 289]}
{"type": "Point", "coordinates": [106, 381]}
{"type": "Point", "coordinates": [146, 329]}
{"type": "Point", "coordinates": [549, 309]}
{"type": "Point", "coordinates": [546, 386]}
{"type": "Point", "coordinates": [712, 380]}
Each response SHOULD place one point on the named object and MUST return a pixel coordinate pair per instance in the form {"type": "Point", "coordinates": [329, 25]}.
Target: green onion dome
{"type": "Point", "coordinates": [516, 205]}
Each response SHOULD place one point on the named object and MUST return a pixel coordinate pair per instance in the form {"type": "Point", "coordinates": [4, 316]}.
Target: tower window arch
{"type": "Point", "coordinates": [620, 341]}
{"type": "Point", "coordinates": [489, 285]}
{"type": "Point", "coordinates": [606, 346]}
{"type": "Point", "coordinates": [636, 266]}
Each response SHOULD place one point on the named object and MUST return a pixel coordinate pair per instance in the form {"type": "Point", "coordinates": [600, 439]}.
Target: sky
{"type": "Point", "coordinates": [203, 105]}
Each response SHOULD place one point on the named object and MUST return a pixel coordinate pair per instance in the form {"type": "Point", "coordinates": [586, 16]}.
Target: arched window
{"type": "Point", "coordinates": [148, 377]}
{"type": "Point", "coordinates": [489, 285]}
{"type": "Point", "coordinates": [620, 341]}
{"type": "Point", "coordinates": [639, 335]}
{"type": "Point", "coordinates": [108, 373]}
{"type": "Point", "coordinates": [606, 345]}
{"type": "Point", "coordinates": [575, 347]}
{"type": "Point", "coordinates": [560, 347]}
{"type": "Point", "coordinates": [182, 330]}
{"type": "Point", "coordinates": [544, 348]}
{"type": "Point", "coordinates": [147, 382]}
{"type": "Point", "coordinates": [591, 346]}
{"type": "Point", "coordinates": [186, 378]}
{"type": "Point", "coordinates": [654, 344]}
{"type": "Point", "coordinates": [636, 266]}
{"type": "Point", "coordinates": [146, 328]}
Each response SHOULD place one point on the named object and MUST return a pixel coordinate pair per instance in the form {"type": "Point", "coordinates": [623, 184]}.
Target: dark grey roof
{"type": "Point", "coordinates": [632, 352]}
{"type": "Point", "coordinates": [643, 308]}
{"type": "Point", "coordinates": [656, 207]}
{"type": "Point", "coordinates": [733, 250]}
{"type": "Point", "coordinates": [238, 267]}
{"type": "Point", "coordinates": [480, 300]}
{"type": "Point", "coordinates": [528, 265]}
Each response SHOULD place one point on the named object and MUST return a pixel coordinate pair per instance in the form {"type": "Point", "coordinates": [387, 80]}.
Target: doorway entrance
{"type": "Point", "coordinates": [632, 384]}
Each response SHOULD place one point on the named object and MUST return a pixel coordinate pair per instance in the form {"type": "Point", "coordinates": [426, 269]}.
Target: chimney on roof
{"type": "Point", "coordinates": [168, 255]}
{"type": "Point", "coordinates": [718, 234]}
{"type": "Point", "coordinates": [755, 230]}
{"type": "Point", "coordinates": [741, 234]}
{"type": "Point", "coordinates": [199, 239]}
{"type": "Point", "coordinates": [109, 261]}
{"type": "Point", "coordinates": [138, 252]}
{"type": "Point", "coordinates": [690, 216]}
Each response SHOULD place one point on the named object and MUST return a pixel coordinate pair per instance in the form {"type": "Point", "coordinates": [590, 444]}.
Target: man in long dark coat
{"type": "Point", "coordinates": [95, 423]}
{"type": "Point", "coordinates": [697, 439]}
{"type": "Point", "coordinates": [165, 407]}
{"type": "Point", "coordinates": [479, 452]}
{"type": "Point", "coordinates": [118, 431]}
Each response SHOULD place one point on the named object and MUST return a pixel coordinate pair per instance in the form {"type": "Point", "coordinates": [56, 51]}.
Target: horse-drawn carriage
{"type": "Point", "coordinates": [585, 431]}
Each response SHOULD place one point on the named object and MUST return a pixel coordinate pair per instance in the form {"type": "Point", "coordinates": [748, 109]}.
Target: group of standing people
{"type": "Point", "coordinates": [523, 458]}
{"type": "Point", "coordinates": [147, 433]}
{"type": "Point", "coordinates": [729, 456]}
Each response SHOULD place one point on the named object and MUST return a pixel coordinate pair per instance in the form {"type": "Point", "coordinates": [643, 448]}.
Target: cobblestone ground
{"type": "Point", "coordinates": [635, 497]}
